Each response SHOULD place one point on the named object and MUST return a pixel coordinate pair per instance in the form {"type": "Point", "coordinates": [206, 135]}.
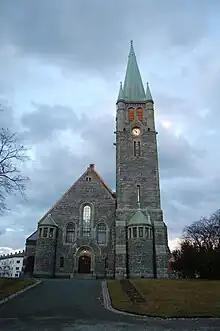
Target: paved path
{"type": "Point", "coordinates": [76, 305]}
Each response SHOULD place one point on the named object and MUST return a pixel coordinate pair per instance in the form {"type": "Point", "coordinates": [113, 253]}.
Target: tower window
{"type": "Point", "coordinates": [140, 114]}
{"type": "Point", "coordinates": [62, 262]}
{"type": "Point", "coordinates": [141, 232]}
{"type": "Point", "coordinates": [131, 114]}
{"type": "Point", "coordinates": [88, 179]}
{"type": "Point", "coordinates": [135, 232]}
{"type": "Point", "coordinates": [51, 233]}
{"type": "Point", "coordinates": [45, 232]}
{"type": "Point", "coordinates": [138, 193]}
{"type": "Point", "coordinates": [137, 148]}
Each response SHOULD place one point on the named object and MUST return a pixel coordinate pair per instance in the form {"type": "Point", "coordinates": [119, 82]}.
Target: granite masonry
{"type": "Point", "coordinates": [94, 232]}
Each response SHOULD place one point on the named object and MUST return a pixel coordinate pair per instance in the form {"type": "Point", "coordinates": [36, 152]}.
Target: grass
{"type": "Point", "coordinates": [170, 297]}
{"type": "Point", "coordinates": [9, 286]}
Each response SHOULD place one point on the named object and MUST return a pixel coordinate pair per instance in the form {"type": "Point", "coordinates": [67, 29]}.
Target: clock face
{"type": "Point", "coordinates": [136, 132]}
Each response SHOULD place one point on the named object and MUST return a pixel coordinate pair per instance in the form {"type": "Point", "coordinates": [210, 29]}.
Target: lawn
{"type": "Point", "coordinates": [9, 286]}
{"type": "Point", "coordinates": [170, 297]}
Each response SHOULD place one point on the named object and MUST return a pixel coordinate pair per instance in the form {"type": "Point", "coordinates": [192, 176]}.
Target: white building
{"type": "Point", "coordinates": [11, 264]}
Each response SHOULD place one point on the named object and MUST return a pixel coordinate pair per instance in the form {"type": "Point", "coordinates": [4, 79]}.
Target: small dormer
{"type": "Point", "coordinates": [47, 228]}
{"type": "Point", "coordinates": [140, 226]}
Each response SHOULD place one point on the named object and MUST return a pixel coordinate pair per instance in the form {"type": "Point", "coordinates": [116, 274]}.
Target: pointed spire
{"type": "Point", "coordinates": [121, 93]}
{"type": "Point", "coordinates": [133, 86]}
{"type": "Point", "coordinates": [148, 94]}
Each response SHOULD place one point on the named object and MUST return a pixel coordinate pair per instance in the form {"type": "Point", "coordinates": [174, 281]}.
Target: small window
{"type": "Point", "coordinates": [70, 232]}
{"type": "Point", "coordinates": [129, 233]}
{"type": "Point", "coordinates": [134, 232]}
{"type": "Point", "coordinates": [139, 148]}
{"type": "Point", "coordinates": [16, 275]}
{"type": "Point", "coordinates": [131, 114]}
{"type": "Point", "coordinates": [141, 232]}
{"type": "Point", "coordinates": [106, 263]}
{"type": "Point", "coordinates": [146, 232]}
{"type": "Point", "coordinates": [40, 232]}
{"type": "Point", "coordinates": [17, 268]}
{"type": "Point", "coordinates": [135, 148]}
{"type": "Point", "coordinates": [101, 233]}
{"type": "Point", "coordinates": [45, 232]}
{"type": "Point", "coordinates": [140, 114]}
{"type": "Point", "coordinates": [51, 232]}
{"type": "Point", "coordinates": [62, 262]}
{"type": "Point", "coordinates": [18, 261]}
{"type": "Point", "coordinates": [88, 179]}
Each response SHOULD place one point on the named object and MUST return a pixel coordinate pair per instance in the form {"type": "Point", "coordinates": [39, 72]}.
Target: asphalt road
{"type": "Point", "coordinates": [68, 305]}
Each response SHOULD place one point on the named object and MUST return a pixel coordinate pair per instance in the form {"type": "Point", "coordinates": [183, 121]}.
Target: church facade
{"type": "Point", "coordinates": [96, 232]}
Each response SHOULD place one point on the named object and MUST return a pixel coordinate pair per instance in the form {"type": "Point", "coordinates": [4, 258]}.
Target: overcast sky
{"type": "Point", "coordinates": [60, 67]}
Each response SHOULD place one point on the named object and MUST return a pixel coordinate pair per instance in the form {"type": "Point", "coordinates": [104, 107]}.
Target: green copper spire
{"type": "Point", "coordinates": [133, 86]}
{"type": "Point", "coordinates": [121, 93]}
{"type": "Point", "coordinates": [148, 94]}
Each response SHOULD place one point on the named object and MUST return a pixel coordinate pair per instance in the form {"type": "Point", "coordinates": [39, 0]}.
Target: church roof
{"type": "Point", "coordinates": [90, 168]}
{"type": "Point", "coordinates": [139, 219]}
{"type": "Point", "coordinates": [48, 220]}
{"type": "Point", "coordinates": [133, 85]}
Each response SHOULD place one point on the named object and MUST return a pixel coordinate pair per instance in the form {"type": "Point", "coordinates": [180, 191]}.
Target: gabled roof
{"type": "Point", "coordinates": [90, 168]}
{"type": "Point", "coordinates": [133, 86]}
{"type": "Point", "coordinates": [48, 220]}
{"type": "Point", "coordinates": [139, 219]}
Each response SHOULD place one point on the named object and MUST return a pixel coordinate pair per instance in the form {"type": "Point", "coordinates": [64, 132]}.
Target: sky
{"type": "Point", "coordinates": [61, 63]}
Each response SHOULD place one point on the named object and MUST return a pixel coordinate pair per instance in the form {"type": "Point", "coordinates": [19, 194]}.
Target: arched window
{"type": "Point", "coordinates": [140, 114]}
{"type": "Point", "coordinates": [101, 233]}
{"type": "Point", "coordinates": [86, 224]}
{"type": "Point", "coordinates": [70, 232]}
{"type": "Point", "coordinates": [131, 114]}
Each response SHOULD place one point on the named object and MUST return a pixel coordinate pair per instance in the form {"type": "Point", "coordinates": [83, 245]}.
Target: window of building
{"type": "Point", "coordinates": [45, 232]}
{"type": "Point", "coordinates": [141, 232]}
{"type": "Point", "coordinates": [137, 148]}
{"type": "Point", "coordinates": [51, 232]}
{"type": "Point", "coordinates": [70, 232]}
{"type": "Point", "coordinates": [131, 114]}
{"type": "Point", "coordinates": [16, 275]}
{"type": "Point", "coordinates": [86, 224]}
{"type": "Point", "coordinates": [62, 262]}
{"type": "Point", "coordinates": [88, 179]}
{"type": "Point", "coordinates": [140, 114]}
{"type": "Point", "coordinates": [17, 268]}
{"type": "Point", "coordinates": [18, 261]}
{"type": "Point", "coordinates": [129, 233]}
{"type": "Point", "coordinates": [40, 232]}
{"type": "Point", "coordinates": [135, 232]}
{"type": "Point", "coordinates": [147, 232]}
{"type": "Point", "coordinates": [101, 233]}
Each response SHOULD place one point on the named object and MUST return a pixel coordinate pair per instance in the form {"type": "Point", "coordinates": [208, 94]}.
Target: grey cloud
{"type": "Point", "coordinates": [87, 33]}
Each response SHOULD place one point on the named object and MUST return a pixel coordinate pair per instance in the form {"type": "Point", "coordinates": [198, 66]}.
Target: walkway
{"type": "Point", "coordinates": [69, 305]}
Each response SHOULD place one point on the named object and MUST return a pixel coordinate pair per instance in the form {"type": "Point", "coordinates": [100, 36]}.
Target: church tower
{"type": "Point", "coordinates": [141, 235]}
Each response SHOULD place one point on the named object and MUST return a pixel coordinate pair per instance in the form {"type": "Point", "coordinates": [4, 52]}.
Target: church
{"type": "Point", "coordinates": [92, 231]}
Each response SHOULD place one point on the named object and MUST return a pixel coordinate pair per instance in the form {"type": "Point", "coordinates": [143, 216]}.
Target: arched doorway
{"type": "Point", "coordinates": [84, 264]}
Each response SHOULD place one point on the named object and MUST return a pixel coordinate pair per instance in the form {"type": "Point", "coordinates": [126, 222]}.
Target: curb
{"type": "Point", "coordinates": [19, 292]}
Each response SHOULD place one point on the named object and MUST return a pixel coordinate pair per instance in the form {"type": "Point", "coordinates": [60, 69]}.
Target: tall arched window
{"type": "Point", "coordinates": [70, 232]}
{"type": "Point", "coordinates": [101, 233]}
{"type": "Point", "coordinates": [131, 114]}
{"type": "Point", "coordinates": [86, 224]}
{"type": "Point", "coordinates": [140, 114]}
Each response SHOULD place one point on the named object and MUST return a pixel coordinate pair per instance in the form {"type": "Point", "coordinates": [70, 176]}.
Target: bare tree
{"type": "Point", "coordinates": [12, 155]}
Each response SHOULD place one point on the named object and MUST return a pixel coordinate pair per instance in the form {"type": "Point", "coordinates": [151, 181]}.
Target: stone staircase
{"type": "Point", "coordinates": [83, 276]}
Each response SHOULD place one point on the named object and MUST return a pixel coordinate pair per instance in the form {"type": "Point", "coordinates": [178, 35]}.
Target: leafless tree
{"type": "Point", "coordinates": [12, 155]}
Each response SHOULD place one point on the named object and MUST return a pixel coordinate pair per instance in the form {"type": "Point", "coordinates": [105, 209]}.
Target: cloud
{"type": "Point", "coordinates": [60, 70]}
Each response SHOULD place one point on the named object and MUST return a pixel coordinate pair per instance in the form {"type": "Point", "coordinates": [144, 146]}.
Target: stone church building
{"type": "Point", "coordinates": [92, 230]}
